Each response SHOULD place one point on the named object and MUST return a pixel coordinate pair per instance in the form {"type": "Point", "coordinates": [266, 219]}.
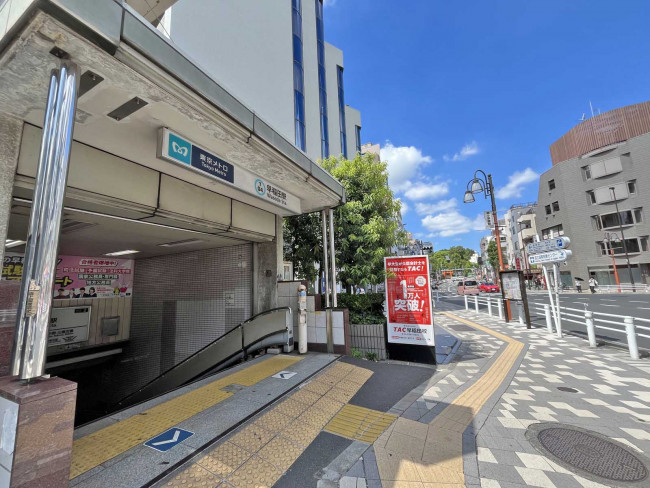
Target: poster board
{"type": "Point", "coordinates": [408, 300]}
{"type": "Point", "coordinates": [511, 285]}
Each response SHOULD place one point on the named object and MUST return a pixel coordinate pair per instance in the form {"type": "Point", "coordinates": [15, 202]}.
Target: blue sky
{"type": "Point", "coordinates": [448, 87]}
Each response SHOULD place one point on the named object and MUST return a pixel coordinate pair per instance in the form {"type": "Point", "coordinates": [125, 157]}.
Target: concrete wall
{"type": "Point", "coordinates": [333, 59]}
{"type": "Point", "coordinates": [11, 130]}
{"type": "Point", "coordinates": [246, 46]}
{"type": "Point", "coordinates": [575, 213]}
{"type": "Point", "coordinates": [352, 119]}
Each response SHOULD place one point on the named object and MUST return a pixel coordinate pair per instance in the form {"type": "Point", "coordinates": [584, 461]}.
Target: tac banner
{"type": "Point", "coordinates": [81, 276]}
{"type": "Point", "coordinates": [408, 300]}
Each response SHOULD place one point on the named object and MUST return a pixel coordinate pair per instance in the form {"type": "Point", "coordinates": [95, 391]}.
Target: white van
{"type": "Point", "coordinates": [467, 287]}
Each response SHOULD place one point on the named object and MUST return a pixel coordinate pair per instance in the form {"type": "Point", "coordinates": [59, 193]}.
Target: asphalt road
{"type": "Point", "coordinates": [625, 304]}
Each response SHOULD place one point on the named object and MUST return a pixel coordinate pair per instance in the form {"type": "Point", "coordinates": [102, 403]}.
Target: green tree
{"type": "Point", "coordinates": [367, 226]}
{"type": "Point", "coordinates": [493, 255]}
{"type": "Point", "coordinates": [455, 257]}
{"type": "Point", "coordinates": [303, 245]}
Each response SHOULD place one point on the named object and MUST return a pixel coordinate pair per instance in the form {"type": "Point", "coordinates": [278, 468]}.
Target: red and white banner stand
{"type": "Point", "coordinates": [410, 333]}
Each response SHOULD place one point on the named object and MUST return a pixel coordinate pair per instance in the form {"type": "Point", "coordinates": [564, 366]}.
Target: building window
{"type": "Point", "coordinates": [586, 173]}
{"type": "Point", "coordinates": [344, 143]}
{"type": "Point", "coordinates": [551, 185]}
{"type": "Point", "coordinates": [322, 87]}
{"type": "Point", "coordinates": [633, 246]}
{"type": "Point", "coordinates": [591, 197]}
{"type": "Point", "coordinates": [357, 135]}
{"type": "Point", "coordinates": [552, 232]}
{"type": "Point", "coordinates": [556, 207]}
{"type": "Point", "coordinates": [614, 220]}
{"type": "Point", "coordinates": [298, 74]}
{"type": "Point", "coordinates": [631, 187]}
{"type": "Point", "coordinates": [548, 209]}
{"type": "Point", "coordinates": [638, 215]}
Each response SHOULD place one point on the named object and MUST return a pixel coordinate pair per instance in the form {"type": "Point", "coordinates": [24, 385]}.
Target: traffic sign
{"type": "Point", "coordinates": [284, 375]}
{"type": "Point", "coordinates": [550, 257]}
{"type": "Point", "coordinates": [168, 439]}
{"type": "Point", "coordinates": [548, 245]}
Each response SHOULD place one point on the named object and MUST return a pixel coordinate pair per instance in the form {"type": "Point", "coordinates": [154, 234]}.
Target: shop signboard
{"type": "Point", "coordinates": [548, 245]}
{"type": "Point", "coordinates": [81, 276]}
{"type": "Point", "coordinates": [408, 300]}
{"type": "Point", "coordinates": [177, 149]}
{"type": "Point", "coordinates": [550, 257]}
{"type": "Point", "coordinates": [68, 325]}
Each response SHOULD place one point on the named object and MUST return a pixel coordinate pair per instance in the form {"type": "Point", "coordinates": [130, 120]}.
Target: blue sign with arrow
{"type": "Point", "coordinates": [168, 439]}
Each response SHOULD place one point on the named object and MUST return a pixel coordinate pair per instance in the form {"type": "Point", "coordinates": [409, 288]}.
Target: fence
{"type": "Point", "coordinates": [629, 327]}
{"type": "Point", "coordinates": [369, 338]}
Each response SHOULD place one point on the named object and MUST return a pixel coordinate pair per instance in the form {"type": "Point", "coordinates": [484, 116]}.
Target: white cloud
{"type": "Point", "coordinates": [452, 223]}
{"type": "Point", "coordinates": [404, 162]}
{"type": "Point", "coordinates": [516, 183]}
{"type": "Point", "coordinates": [404, 207]}
{"type": "Point", "coordinates": [431, 208]}
{"type": "Point", "coordinates": [465, 152]}
{"type": "Point", "coordinates": [422, 191]}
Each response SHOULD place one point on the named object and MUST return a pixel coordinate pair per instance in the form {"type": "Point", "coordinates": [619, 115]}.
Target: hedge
{"type": "Point", "coordinates": [364, 309]}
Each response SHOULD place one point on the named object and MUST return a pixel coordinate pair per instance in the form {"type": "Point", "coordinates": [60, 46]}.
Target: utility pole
{"type": "Point", "coordinates": [620, 226]}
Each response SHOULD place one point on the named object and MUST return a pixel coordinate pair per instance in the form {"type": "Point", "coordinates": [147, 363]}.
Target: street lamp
{"type": "Point", "coordinates": [620, 226]}
{"type": "Point", "coordinates": [484, 185]}
{"type": "Point", "coordinates": [609, 237]}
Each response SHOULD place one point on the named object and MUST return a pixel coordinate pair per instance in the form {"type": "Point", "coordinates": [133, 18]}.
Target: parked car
{"type": "Point", "coordinates": [489, 287]}
{"type": "Point", "coordinates": [467, 287]}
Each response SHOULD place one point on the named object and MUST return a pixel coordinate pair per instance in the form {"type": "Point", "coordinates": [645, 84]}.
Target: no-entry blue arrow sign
{"type": "Point", "coordinates": [168, 439]}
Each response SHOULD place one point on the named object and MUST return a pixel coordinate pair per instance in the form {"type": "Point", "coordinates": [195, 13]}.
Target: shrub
{"type": "Point", "coordinates": [356, 353]}
{"type": "Point", "coordinates": [364, 309]}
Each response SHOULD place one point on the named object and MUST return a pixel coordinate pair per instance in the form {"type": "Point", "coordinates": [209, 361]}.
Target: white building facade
{"type": "Point", "coordinates": [279, 65]}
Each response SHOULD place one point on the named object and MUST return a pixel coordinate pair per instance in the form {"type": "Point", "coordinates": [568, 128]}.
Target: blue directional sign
{"type": "Point", "coordinates": [168, 439]}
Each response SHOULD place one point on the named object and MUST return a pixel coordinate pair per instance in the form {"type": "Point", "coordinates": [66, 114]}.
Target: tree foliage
{"type": "Point", "coordinates": [459, 257]}
{"type": "Point", "coordinates": [365, 228]}
{"type": "Point", "coordinates": [493, 255]}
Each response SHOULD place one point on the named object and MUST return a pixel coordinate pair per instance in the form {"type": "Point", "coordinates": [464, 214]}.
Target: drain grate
{"type": "Point", "coordinates": [589, 454]}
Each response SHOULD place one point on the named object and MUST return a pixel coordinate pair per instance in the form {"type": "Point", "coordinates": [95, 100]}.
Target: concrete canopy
{"type": "Point", "coordinates": [134, 60]}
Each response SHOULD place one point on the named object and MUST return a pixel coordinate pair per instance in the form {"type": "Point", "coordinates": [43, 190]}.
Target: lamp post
{"type": "Point", "coordinates": [620, 226]}
{"type": "Point", "coordinates": [484, 185]}
{"type": "Point", "coordinates": [609, 237]}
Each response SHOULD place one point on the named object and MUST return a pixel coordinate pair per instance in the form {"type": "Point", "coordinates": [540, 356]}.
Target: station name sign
{"type": "Point", "coordinates": [177, 149]}
{"type": "Point", "coordinates": [550, 257]}
{"type": "Point", "coordinates": [548, 245]}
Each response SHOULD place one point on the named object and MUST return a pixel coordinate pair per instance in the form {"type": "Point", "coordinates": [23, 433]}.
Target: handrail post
{"type": "Point", "coordinates": [591, 330]}
{"type": "Point", "coordinates": [476, 303]}
{"type": "Point", "coordinates": [549, 320]}
{"type": "Point", "coordinates": [631, 337]}
{"type": "Point", "coordinates": [500, 304]}
{"type": "Point", "coordinates": [489, 299]}
{"type": "Point", "coordinates": [466, 304]}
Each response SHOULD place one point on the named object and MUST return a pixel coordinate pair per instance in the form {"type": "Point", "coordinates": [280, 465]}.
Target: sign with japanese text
{"type": "Point", "coordinates": [81, 276]}
{"type": "Point", "coordinates": [550, 257]}
{"type": "Point", "coordinates": [175, 148]}
{"type": "Point", "coordinates": [68, 325]}
{"type": "Point", "coordinates": [408, 300]}
{"type": "Point", "coordinates": [548, 245]}
{"type": "Point", "coordinates": [511, 286]}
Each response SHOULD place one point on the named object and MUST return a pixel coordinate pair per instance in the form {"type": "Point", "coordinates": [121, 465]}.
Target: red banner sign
{"type": "Point", "coordinates": [408, 300]}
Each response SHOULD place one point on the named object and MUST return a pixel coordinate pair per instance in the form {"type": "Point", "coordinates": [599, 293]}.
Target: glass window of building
{"type": "Point", "coordinates": [586, 172]}
{"type": "Point", "coordinates": [298, 74]}
{"type": "Point", "coordinates": [322, 87]}
{"type": "Point", "coordinates": [344, 144]}
{"type": "Point", "coordinates": [357, 135]}
{"type": "Point", "coordinates": [556, 206]}
{"type": "Point", "coordinates": [547, 208]}
{"type": "Point", "coordinates": [631, 187]}
{"type": "Point", "coordinates": [591, 197]}
{"type": "Point", "coordinates": [551, 184]}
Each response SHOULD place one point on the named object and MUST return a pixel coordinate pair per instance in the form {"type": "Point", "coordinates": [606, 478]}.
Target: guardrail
{"type": "Point", "coordinates": [630, 327]}
{"type": "Point", "coordinates": [623, 287]}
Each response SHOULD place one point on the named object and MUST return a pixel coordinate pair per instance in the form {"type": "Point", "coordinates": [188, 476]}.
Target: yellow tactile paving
{"type": "Point", "coordinates": [98, 447]}
{"type": "Point", "coordinates": [414, 455]}
{"type": "Point", "coordinates": [274, 441]}
{"type": "Point", "coordinates": [359, 423]}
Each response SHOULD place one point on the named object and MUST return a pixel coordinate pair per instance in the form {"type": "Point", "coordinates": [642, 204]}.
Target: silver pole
{"type": "Point", "coordinates": [332, 258]}
{"type": "Point", "coordinates": [39, 272]}
{"type": "Point", "coordinates": [325, 265]}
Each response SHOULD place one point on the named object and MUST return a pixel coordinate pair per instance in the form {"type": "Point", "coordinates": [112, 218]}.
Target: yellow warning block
{"type": "Point", "coordinates": [359, 423]}
{"type": "Point", "coordinates": [98, 447]}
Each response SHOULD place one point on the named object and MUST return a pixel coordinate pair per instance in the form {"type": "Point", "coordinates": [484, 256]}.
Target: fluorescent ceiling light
{"type": "Point", "coordinates": [13, 243]}
{"type": "Point", "coordinates": [121, 253]}
{"type": "Point", "coordinates": [185, 242]}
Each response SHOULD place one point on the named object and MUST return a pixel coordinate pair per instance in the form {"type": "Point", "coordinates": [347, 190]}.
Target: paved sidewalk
{"type": "Point", "coordinates": [453, 436]}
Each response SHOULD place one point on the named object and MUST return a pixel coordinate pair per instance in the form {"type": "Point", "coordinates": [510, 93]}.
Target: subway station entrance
{"type": "Point", "coordinates": [169, 247]}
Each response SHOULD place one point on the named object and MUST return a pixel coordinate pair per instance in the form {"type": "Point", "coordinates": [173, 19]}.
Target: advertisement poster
{"type": "Point", "coordinates": [511, 286]}
{"type": "Point", "coordinates": [408, 300]}
{"type": "Point", "coordinates": [81, 276]}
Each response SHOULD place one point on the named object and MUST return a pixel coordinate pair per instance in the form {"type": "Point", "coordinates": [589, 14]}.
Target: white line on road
{"type": "Point", "coordinates": [636, 301]}
{"type": "Point", "coordinates": [643, 308]}
{"type": "Point", "coordinates": [607, 300]}
{"type": "Point", "coordinates": [605, 305]}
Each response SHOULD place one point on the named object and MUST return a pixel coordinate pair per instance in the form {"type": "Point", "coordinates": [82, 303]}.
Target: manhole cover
{"type": "Point", "coordinates": [589, 454]}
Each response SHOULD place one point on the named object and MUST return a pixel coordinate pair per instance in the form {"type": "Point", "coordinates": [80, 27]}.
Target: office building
{"type": "Point", "coordinates": [600, 164]}
{"type": "Point", "coordinates": [519, 230]}
{"type": "Point", "coordinates": [279, 64]}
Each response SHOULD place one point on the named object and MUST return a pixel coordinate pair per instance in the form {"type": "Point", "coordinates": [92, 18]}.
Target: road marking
{"type": "Point", "coordinates": [643, 308]}
{"type": "Point", "coordinates": [636, 301]}
{"type": "Point", "coordinates": [605, 305]}
{"type": "Point", "coordinates": [608, 300]}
